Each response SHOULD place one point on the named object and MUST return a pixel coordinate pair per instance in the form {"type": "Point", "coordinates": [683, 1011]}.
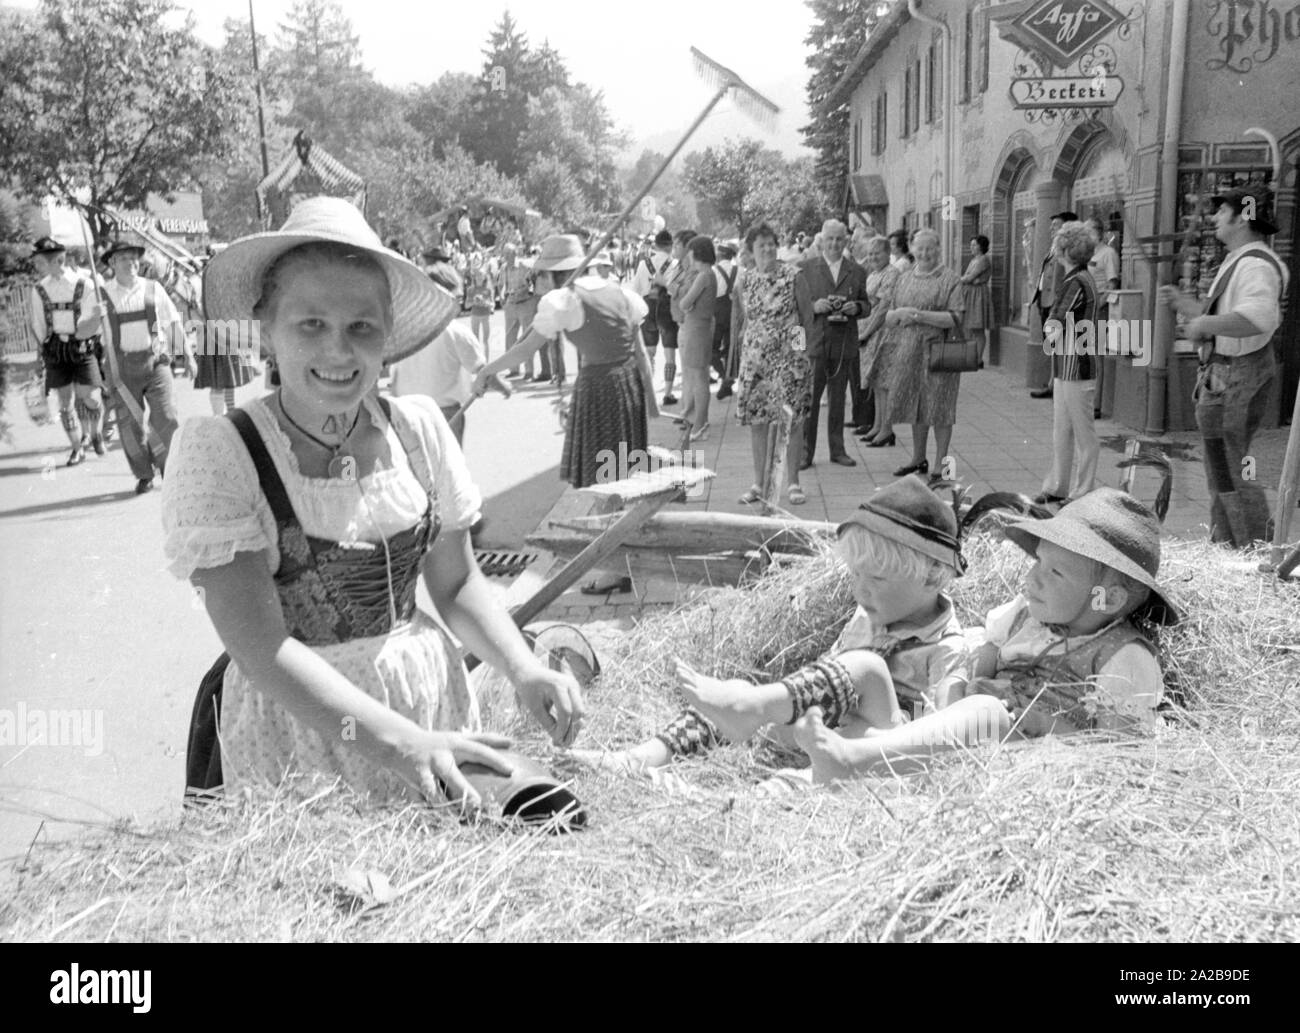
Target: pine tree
{"type": "Point", "coordinates": [839, 30]}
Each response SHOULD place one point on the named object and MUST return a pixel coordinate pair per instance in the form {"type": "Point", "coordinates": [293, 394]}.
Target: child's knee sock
{"type": "Point", "coordinates": [670, 374]}
{"type": "Point", "coordinates": [689, 732]}
{"type": "Point", "coordinates": [824, 683]}
{"type": "Point", "coordinates": [229, 395]}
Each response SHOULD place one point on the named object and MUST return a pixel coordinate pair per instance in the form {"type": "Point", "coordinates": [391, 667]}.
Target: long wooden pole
{"type": "Point", "coordinates": [627, 211]}
{"type": "Point", "coordinates": [261, 120]}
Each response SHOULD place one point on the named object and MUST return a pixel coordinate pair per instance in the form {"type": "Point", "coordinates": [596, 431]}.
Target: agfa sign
{"type": "Point", "coordinates": [1061, 30]}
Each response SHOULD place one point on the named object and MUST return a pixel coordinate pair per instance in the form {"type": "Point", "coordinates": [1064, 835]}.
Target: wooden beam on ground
{"type": "Point", "coordinates": [689, 532]}
{"type": "Point", "coordinates": [624, 528]}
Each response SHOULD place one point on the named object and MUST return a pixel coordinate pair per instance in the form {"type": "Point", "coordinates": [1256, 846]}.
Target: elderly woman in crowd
{"type": "Point", "coordinates": [874, 350]}
{"type": "Point", "coordinates": [774, 367]}
{"type": "Point", "coordinates": [1070, 331]}
{"type": "Point", "coordinates": [927, 303]}
{"type": "Point", "coordinates": [977, 290]}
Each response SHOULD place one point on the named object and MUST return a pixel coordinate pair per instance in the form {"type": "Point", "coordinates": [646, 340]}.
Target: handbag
{"type": "Point", "coordinates": [956, 353]}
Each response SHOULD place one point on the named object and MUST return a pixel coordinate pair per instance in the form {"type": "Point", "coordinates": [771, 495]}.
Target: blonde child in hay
{"type": "Point", "coordinates": [1068, 654]}
{"type": "Point", "coordinates": [903, 645]}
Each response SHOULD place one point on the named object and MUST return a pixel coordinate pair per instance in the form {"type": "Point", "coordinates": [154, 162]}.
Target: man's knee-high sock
{"type": "Point", "coordinates": [71, 425]}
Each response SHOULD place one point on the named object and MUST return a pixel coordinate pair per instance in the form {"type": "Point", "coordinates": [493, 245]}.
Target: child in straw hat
{"type": "Point", "coordinates": [903, 645]}
{"type": "Point", "coordinates": [1070, 653]}
{"type": "Point", "coordinates": [307, 517]}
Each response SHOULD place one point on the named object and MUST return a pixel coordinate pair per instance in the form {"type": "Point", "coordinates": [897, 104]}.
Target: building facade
{"type": "Point", "coordinates": [1132, 112]}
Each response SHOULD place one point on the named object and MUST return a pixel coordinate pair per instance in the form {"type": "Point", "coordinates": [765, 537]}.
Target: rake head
{"type": "Point", "coordinates": [745, 97]}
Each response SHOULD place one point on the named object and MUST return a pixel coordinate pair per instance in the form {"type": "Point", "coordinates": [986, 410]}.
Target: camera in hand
{"type": "Point", "coordinates": [837, 302]}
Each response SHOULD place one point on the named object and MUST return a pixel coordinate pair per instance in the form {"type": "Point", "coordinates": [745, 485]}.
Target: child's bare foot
{"type": "Point", "coordinates": [830, 752]}
{"type": "Point", "coordinates": [736, 707]}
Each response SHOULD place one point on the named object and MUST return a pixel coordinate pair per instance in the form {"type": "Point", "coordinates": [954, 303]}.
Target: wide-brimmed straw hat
{"type": "Point", "coordinates": [1113, 528]}
{"type": "Point", "coordinates": [561, 253]}
{"type": "Point", "coordinates": [603, 258]}
{"type": "Point", "coordinates": [909, 513]}
{"type": "Point", "coordinates": [232, 282]}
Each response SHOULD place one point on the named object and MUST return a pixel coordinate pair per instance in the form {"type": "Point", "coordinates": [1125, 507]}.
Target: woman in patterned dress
{"type": "Point", "coordinates": [305, 520]}
{"type": "Point", "coordinates": [774, 367]}
{"type": "Point", "coordinates": [881, 278]}
{"type": "Point", "coordinates": [927, 303]}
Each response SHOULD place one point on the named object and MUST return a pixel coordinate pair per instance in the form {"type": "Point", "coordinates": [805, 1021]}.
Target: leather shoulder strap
{"type": "Point", "coordinates": [268, 478]}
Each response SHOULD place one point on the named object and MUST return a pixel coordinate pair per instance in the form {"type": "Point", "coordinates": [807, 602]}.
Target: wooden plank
{"type": "Point", "coordinates": [623, 529]}
{"type": "Point", "coordinates": [690, 532]}
{"type": "Point", "coordinates": [570, 504]}
{"type": "Point", "coordinates": [709, 568]}
{"type": "Point", "coordinates": [641, 485]}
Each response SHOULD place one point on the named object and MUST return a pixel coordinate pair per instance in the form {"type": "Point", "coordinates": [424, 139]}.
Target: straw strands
{"type": "Point", "coordinates": [1192, 835]}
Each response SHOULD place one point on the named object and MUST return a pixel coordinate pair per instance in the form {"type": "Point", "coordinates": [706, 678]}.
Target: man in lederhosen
{"type": "Point", "coordinates": [66, 322]}
{"type": "Point", "coordinates": [1234, 328]}
{"type": "Point", "coordinates": [142, 323]}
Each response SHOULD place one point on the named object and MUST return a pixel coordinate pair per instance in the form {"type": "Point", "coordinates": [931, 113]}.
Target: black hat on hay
{"type": "Point", "coordinates": [47, 246]}
{"type": "Point", "coordinates": [909, 513]}
{"type": "Point", "coordinates": [1264, 221]}
{"type": "Point", "coordinates": [1113, 528]}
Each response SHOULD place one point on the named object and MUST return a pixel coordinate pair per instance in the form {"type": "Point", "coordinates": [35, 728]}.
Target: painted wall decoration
{"type": "Point", "coordinates": [1251, 32]}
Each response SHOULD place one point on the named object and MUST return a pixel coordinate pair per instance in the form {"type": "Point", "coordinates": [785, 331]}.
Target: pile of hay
{"type": "Point", "coordinates": [1190, 836]}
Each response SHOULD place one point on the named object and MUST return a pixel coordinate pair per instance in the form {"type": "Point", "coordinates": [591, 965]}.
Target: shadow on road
{"type": "Point", "coordinates": [516, 512]}
{"type": "Point", "coordinates": [65, 504]}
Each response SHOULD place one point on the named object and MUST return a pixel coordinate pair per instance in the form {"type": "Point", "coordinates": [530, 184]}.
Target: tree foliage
{"type": "Point", "coordinates": [839, 29]}
{"type": "Point", "coordinates": [105, 102]}
{"type": "Point", "coordinates": [741, 182]}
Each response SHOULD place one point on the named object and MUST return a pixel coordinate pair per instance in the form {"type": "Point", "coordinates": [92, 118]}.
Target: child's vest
{"type": "Point", "coordinates": [722, 306]}
{"type": "Point", "coordinates": [149, 314]}
{"type": "Point", "coordinates": [1059, 685]}
{"type": "Point", "coordinates": [61, 348]}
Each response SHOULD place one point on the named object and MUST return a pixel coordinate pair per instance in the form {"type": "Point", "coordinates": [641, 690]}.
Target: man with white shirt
{"type": "Point", "coordinates": [647, 284]}
{"type": "Point", "coordinates": [831, 293]}
{"type": "Point", "coordinates": [1234, 325]}
{"type": "Point", "coordinates": [444, 370]}
{"type": "Point", "coordinates": [66, 322]}
{"type": "Point", "coordinates": [143, 323]}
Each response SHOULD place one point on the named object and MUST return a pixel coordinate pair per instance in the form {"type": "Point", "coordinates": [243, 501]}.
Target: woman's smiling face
{"type": "Point", "coordinates": [327, 328]}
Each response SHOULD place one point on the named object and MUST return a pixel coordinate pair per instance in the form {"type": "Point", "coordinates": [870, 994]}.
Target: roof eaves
{"type": "Point", "coordinates": [881, 36]}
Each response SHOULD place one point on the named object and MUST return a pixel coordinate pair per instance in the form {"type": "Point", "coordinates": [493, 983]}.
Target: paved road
{"type": "Point", "coordinates": [91, 621]}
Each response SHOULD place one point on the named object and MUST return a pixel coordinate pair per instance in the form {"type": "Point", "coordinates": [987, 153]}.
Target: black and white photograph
{"type": "Point", "coordinates": [795, 471]}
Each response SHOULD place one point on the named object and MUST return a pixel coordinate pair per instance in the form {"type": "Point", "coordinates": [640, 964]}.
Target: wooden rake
{"type": "Point", "coordinates": [727, 83]}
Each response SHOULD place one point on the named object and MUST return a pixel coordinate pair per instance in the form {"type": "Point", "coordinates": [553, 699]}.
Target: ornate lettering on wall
{"type": "Point", "coordinates": [1250, 32]}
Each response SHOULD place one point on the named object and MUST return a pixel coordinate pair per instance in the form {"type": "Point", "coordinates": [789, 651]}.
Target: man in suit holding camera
{"type": "Point", "coordinates": [831, 292]}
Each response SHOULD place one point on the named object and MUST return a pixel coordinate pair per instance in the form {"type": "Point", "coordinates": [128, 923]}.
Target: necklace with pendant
{"type": "Point", "coordinates": [339, 463]}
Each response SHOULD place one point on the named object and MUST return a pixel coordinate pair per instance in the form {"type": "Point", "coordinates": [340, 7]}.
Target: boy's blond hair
{"type": "Point", "coordinates": [884, 557]}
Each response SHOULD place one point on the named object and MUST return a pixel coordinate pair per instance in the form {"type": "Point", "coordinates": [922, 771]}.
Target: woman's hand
{"type": "Point", "coordinates": [554, 700]}
{"type": "Point", "coordinates": [431, 761]}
